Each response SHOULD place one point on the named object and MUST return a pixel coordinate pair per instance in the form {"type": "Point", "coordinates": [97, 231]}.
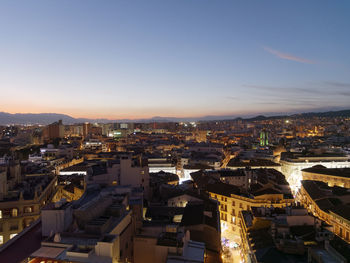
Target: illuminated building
{"type": "Point", "coordinates": [340, 220]}
{"type": "Point", "coordinates": [22, 198]}
{"type": "Point", "coordinates": [93, 144]}
{"type": "Point", "coordinates": [252, 163]}
{"type": "Point", "coordinates": [292, 164]}
{"type": "Point", "coordinates": [201, 136]}
{"type": "Point", "coordinates": [332, 176]}
{"type": "Point", "coordinates": [69, 187]}
{"type": "Point", "coordinates": [86, 129]}
{"type": "Point", "coordinates": [157, 164]}
{"type": "Point", "coordinates": [264, 138]}
{"type": "Point", "coordinates": [329, 204]}
{"type": "Point", "coordinates": [232, 200]}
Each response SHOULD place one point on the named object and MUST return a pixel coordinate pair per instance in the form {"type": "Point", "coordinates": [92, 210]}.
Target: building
{"type": "Point", "coordinates": [161, 164]}
{"type": "Point", "coordinates": [332, 176]}
{"type": "Point", "coordinates": [99, 227]}
{"type": "Point", "coordinates": [264, 138]}
{"type": "Point", "coordinates": [54, 130]}
{"type": "Point", "coordinates": [283, 235]}
{"type": "Point", "coordinates": [263, 191]}
{"type": "Point", "coordinates": [329, 204]}
{"type": "Point", "coordinates": [238, 163]}
{"type": "Point", "coordinates": [21, 204]}
{"type": "Point", "coordinates": [134, 172]}
{"type": "Point", "coordinates": [292, 164]}
{"type": "Point", "coordinates": [340, 220]}
{"type": "Point", "coordinates": [180, 234]}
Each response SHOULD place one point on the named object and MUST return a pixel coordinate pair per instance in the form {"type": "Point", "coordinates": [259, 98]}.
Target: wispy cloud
{"type": "Point", "coordinates": [282, 90]}
{"type": "Point", "coordinates": [287, 56]}
{"type": "Point", "coordinates": [337, 84]}
{"type": "Point", "coordinates": [345, 93]}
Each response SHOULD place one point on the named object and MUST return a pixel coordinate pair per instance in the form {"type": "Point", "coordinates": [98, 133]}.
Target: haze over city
{"type": "Point", "coordinates": [139, 59]}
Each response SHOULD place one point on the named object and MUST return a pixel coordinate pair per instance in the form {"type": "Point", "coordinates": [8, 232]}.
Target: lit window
{"type": "Point", "coordinates": [1, 240]}
{"type": "Point", "coordinates": [13, 235]}
{"type": "Point", "coordinates": [234, 219]}
{"type": "Point", "coordinates": [28, 209]}
{"type": "Point", "coordinates": [14, 212]}
{"type": "Point", "coordinates": [0, 213]}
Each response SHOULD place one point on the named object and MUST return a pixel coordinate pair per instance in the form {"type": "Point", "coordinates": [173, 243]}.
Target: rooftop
{"type": "Point", "coordinates": [251, 163]}
{"type": "Point", "coordinates": [223, 189]}
{"type": "Point", "coordinates": [340, 172]}
{"type": "Point", "coordinates": [342, 211]}
{"type": "Point", "coordinates": [29, 242]}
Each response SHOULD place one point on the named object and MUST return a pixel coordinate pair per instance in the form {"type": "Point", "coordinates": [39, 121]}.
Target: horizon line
{"type": "Point", "coordinates": [234, 115]}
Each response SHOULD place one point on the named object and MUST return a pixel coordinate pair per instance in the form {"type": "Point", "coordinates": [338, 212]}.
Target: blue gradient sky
{"type": "Point", "coordinates": [132, 59]}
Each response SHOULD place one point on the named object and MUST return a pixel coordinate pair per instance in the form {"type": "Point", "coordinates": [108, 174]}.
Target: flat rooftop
{"type": "Point", "coordinates": [339, 172]}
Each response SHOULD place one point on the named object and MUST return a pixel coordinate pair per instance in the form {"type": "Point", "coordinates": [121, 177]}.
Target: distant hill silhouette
{"type": "Point", "coordinates": [47, 118]}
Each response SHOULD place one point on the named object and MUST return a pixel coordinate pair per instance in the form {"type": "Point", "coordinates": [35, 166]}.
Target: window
{"type": "Point", "coordinates": [0, 213]}
{"type": "Point", "coordinates": [233, 203]}
{"type": "Point", "coordinates": [14, 212]}
{"type": "Point", "coordinates": [28, 209]}
{"type": "Point", "coordinates": [1, 240]}
{"type": "Point", "coordinates": [233, 212]}
{"type": "Point", "coordinates": [14, 226]}
{"type": "Point", "coordinates": [13, 235]}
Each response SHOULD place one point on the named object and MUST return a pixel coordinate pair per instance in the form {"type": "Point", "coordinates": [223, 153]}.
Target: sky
{"type": "Point", "coordinates": [180, 58]}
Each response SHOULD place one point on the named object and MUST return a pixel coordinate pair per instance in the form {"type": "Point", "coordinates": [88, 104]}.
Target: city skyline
{"type": "Point", "coordinates": [173, 59]}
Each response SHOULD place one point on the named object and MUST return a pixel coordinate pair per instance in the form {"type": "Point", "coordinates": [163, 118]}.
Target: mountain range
{"type": "Point", "coordinates": [46, 118]}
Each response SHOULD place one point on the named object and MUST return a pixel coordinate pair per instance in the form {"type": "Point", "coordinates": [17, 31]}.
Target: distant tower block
{"type": "Point", "coordinates": [264, 138]}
